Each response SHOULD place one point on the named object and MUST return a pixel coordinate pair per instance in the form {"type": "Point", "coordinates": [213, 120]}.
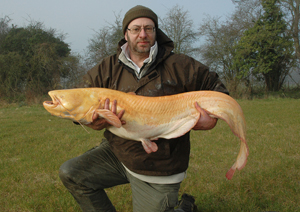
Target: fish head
{"type": "Point", "coordinates": [74, 104]}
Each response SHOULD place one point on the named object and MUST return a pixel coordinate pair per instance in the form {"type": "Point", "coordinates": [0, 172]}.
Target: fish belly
{"type": "Point", "coordinates": [172, 128]}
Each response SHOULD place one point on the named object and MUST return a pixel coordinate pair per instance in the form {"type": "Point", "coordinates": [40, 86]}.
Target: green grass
{"type": "Point", "coordinates": [34, 144]}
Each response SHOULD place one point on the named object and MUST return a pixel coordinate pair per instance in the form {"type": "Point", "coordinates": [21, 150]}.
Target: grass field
{"type": "Point", "coordinates": [34, 145]}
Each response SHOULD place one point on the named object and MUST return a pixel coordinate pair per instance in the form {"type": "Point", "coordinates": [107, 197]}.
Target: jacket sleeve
{"type": "Point", "coordinates": [203, 79]}
{"type": "Point", "coordinates": [94, 77]}
{"type": "Point", "coordinates": [91, 79]}
{"type": "Point", "coordinates": [213, 82]}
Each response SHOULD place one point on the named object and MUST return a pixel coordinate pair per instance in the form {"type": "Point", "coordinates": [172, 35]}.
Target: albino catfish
{"type": "Point", "coordinates": [150, 118]}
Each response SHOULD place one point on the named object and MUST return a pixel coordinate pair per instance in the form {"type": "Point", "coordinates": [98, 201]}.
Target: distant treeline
{"type": "Point", "coordinates": [256, 46]}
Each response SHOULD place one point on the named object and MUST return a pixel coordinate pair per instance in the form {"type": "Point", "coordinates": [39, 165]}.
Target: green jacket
{"type": "Point", "coordinates": [169, 74]}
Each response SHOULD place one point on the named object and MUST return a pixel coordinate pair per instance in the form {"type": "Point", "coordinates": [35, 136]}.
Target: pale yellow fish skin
{"type": "Point", "coordinates": [151, 118]}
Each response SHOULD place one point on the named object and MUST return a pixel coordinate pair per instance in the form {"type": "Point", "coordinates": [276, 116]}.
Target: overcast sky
{"type": "Point", "coordinates": [79, 18]}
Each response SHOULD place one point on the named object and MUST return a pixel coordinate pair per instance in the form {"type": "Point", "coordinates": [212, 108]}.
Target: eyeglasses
{"type": "Point", "coordinates": [136, 29]}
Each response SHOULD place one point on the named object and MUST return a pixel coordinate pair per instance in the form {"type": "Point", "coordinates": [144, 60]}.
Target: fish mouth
{"type": "Point", "coordinates": [54, 103]}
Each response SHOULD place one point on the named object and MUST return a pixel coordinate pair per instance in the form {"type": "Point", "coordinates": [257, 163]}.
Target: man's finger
{"type": "Point", "coordinates": [95, 116]}
{"type": "Point", "coordinates": [114, 107]}
{"type": "Point", "coordinates": [106, 104]}
{"type": "Point", "coordinates": [120, 114]}
{"type": "Point", "coordinates": [199, 108]}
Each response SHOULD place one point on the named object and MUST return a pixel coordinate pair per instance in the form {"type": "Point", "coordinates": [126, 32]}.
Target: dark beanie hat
{"type": "Point", "coordinates": [138, 12]}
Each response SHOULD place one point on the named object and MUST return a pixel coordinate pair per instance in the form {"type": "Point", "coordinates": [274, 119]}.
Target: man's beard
{"type": "Point", "coordinates": [136, 49]}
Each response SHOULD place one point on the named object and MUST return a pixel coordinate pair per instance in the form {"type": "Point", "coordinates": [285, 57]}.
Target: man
{"type": "Point", "coordinates": [144, 64]}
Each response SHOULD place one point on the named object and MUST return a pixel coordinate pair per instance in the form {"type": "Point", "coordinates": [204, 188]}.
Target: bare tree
{"type": "Point", "coordinates": [217, 51]}
{"type": "Point", "coordinates": [105, 41]}
{"type": "Point", "coordinates": [292, 10]}
{"type": "Point", "coordinates": [245, 14]}
{"type": "Point", "coordinates": [220, 37]}
{"type": "Point", "coordinates": [180, 28]}
{"type": "Point", "coordinates": [4, 28]}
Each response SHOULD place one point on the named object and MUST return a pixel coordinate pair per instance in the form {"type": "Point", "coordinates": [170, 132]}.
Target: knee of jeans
{"type": "Point", "coordinates": [65, 171]}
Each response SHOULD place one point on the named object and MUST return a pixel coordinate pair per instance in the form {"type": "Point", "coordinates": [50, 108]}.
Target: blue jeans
{"type": "Point", "coordinates": [88, 175]}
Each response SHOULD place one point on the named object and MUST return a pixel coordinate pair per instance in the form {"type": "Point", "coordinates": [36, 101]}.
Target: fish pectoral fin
{"type": "Point", "coordinates": [149, 146]}
{"type": "Point", "coordinates": [110, 117]}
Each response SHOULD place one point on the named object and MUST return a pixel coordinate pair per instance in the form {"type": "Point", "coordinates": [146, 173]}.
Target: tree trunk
{"type": "Point", "coordinates": [272, 80]}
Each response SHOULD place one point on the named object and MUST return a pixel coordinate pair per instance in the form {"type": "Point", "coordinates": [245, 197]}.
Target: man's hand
{"type": "Point", "coordinates": [205, 122]}
{"type": "Point", "coordinates": [99, 124]}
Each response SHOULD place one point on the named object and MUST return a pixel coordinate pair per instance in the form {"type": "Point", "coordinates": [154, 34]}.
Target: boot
{"type": "Point", "coordinates": [186, 204]}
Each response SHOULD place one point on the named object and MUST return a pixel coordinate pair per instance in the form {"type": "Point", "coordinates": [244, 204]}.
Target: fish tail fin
{"type": "Point", "coordinates": [230, 173]}
{"type": "Point", "coordinates": [240, 161]}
